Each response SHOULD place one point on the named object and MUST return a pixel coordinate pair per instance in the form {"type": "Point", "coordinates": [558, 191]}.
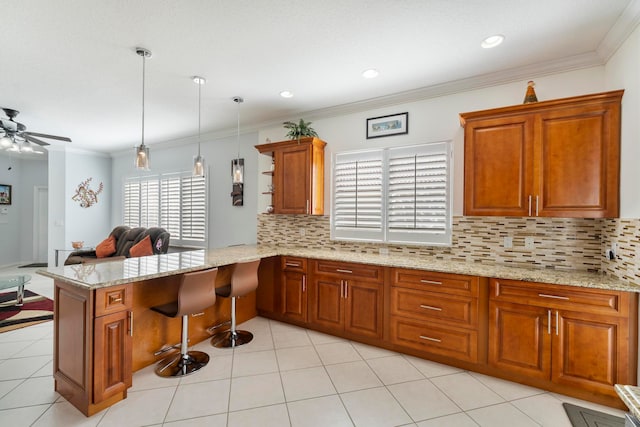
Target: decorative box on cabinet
{"type": "Point", "coordinates": [583, 339]}
{"type": "Point", "coordinates": [298, 175]}
{"type": "Point", "coordinates": [439, 313]}
{"type": "Point", "coordinates": [347, 298]}
{"type": "Point", "coordinates": [558, 158]}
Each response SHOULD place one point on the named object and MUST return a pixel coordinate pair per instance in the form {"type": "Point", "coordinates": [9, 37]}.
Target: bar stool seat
{"type": "Point", "coordinates": [196, 293]}
{"type": "Point", "coordinates": [244, 279]}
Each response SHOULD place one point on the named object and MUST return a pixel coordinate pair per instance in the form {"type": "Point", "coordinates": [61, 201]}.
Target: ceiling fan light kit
{"type": "Point", "coordinates": [142, 151]}
{"type": "Point", "coordinates": [16, 138]}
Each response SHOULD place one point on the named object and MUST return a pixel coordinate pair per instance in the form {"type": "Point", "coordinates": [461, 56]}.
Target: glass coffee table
{"type": "Point", "coordinates": [7, 282]}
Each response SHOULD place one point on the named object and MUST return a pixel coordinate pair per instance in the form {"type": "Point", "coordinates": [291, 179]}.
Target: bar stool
{"type": "Point", "coordinates": [196, 293]}
{"type": "Point", "coordinates": [244, 279]}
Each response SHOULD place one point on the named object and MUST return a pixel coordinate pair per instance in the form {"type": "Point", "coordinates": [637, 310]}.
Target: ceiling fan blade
{"type": "Point", "coordinates": [42, 135]}
{"type": "Point", "coordinates": [30, 138]}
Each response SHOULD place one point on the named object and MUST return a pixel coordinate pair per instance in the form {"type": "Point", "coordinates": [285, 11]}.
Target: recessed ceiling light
{"type": "Point", "coordinates": [492, 41]}
{"type": "Point", "coordinates": [286, 94]}
{"type": "Point", "coordinates": [371, 73]}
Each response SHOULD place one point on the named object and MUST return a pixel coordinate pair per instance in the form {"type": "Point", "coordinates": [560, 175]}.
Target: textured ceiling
{"type": "Point", "coordinates": [70, 66]}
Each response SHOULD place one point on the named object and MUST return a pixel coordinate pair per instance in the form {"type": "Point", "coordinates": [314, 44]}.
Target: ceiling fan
{"type": "Point", "coordinates": [16, 138]}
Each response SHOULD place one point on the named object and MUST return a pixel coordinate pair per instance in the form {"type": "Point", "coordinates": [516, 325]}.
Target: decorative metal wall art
{"type": "Point", "coordinates": [85, 195]}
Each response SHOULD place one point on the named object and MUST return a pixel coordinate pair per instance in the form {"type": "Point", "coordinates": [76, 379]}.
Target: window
{"type": "Point", "coordinates": [394, 195]}
{"type": "Point", "coordinates": [173, 201]}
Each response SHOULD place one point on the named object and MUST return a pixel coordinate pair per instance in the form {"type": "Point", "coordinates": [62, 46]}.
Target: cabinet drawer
{"type": "Point", "coordinates": [461, 344]}
{"type": "Point", "coordinates": [345, 270]}
{"type": "Point", "coordinates": [438, 282]}
{"type": "Point", "coordinates": [290, 263]}
{"type": "Point", "coordinates": [596, 301]}
{"type": "Point", "coordinates": [420, 305]}
{"type": "Point", "coordinates": [113, 299]}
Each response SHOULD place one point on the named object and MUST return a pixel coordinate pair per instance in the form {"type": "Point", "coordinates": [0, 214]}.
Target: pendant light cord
{"type": "Point", "coordinates": [199, 110]}
{"type": "Point", "coordinates": [144, 60]}
{"type": "Point", "coordinates": [239, 100]}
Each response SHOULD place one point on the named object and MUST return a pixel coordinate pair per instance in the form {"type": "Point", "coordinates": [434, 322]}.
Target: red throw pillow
{"type": "Point", "coordinates": [106, 248]}
{"type": "Point", "coordinates": [142, 248]}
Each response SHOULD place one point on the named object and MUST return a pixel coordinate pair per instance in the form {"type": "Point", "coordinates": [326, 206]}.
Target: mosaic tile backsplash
{"type": "Point", "coordinates": [558, 243]}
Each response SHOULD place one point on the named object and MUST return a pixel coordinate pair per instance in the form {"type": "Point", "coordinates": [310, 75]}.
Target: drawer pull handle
{"type": "Point", "coordinates": [292, 264]}
{"type": "Point", "coordinates": [430, 282]}
{"type": "Point", "coordinates": [115, 300]}
{"type": "Point", "coordinates": [197, 314]}
{"type": "Point", "coordinates": [428, 307]}
{"type": "Point", "coordinates": [339, 270]}
{"type": "Point", "coordinates": [553, 296]}
{"type": "Point", "coordinates": [422, 337]}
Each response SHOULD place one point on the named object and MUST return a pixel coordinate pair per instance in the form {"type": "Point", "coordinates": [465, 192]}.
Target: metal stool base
{"type": "Point", "coordinates": [179, 366]}
{"type": "Point", "coordinates": [231, 339]}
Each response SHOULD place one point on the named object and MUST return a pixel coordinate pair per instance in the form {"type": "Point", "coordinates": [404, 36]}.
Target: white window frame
{"type": "Point", "coordinates": [423, 235]}
{"type": "Point", "coordinates": [188, 225]}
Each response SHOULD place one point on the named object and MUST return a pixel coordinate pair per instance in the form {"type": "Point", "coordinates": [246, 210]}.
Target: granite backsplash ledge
{"type": "Point", "coordinates": [558, 243]}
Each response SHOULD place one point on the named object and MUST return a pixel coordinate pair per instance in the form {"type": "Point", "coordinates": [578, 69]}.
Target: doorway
{"type": "Point", "coordinates": [40, 223]}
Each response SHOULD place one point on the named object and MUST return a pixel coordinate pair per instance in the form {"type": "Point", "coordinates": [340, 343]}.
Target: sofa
{"type": "Point", "coordinates": [126, 242]}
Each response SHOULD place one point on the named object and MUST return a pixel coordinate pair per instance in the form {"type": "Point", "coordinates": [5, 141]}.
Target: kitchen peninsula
{"type": "Point", "coordinates": [482, 317]}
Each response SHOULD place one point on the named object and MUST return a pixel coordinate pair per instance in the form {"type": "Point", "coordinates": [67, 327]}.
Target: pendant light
{"type": "Point", "coordinates": [198, 161]}
{"type": "Point", "coordinates": [142, 151]}
{"type": "Point", "coordinates": [237, 165]}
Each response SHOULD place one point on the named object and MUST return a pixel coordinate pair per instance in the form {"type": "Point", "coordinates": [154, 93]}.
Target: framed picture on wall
{"type": "Point", "coordinates": [5, 194]}
{"type": "Point", "coordinates": [395, 124]}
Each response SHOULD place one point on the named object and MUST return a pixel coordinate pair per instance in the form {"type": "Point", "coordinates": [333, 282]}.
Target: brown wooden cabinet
{"type": "Point", "coordinates": [439, 313]}
{"type": "Point", "coordinates": [294, 288]}
{"type": "Point", "coordinates": [558, 158]}
{"type": "Point", "coordinates": [347, 297]}
{"type": "Point", "coordinates": [580, 338]}
{"type": "Point", "coordinates": [298, 175]}
{"type": "Point", "coordinates": [92, 345]}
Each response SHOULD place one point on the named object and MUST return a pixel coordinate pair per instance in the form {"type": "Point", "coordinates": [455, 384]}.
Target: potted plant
{"type": "Point", "coordinates": [299, 130]}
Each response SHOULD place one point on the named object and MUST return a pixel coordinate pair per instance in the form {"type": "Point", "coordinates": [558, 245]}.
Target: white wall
{"type": "Point", "coordinates": [16, 226]}
{"type": "Point", "coordinates": [228, 225]}
{"type": "Point", "coordinates": [623, 72]}
{"type": "Point", "coordinates": [433, 120]}
{"type": "Point", "coordinates": [93, 224]}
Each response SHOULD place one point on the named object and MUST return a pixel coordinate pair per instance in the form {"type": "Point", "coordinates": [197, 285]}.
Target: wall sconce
{"type": "Point", "coordinates": [237, 178]}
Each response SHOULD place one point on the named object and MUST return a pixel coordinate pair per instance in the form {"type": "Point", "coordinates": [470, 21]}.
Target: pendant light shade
{"type": "Point", "coordinates": [198, 161]}
{"type": "Point", "coordinates": [142, 151]}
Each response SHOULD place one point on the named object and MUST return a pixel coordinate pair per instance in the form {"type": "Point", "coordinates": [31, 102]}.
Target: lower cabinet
{"type": "Point", "coordinates": [574, 337]}
{"type": "Point", "coordinates": [347, 297]}
{"type": "Point", "coordinates": [294, 288]}
{"type": "Point", "coordinates": [92, 345]}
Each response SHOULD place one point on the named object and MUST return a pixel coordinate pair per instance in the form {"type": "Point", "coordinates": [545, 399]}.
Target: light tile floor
{"type": "Point", "coordinates": [287, 376]}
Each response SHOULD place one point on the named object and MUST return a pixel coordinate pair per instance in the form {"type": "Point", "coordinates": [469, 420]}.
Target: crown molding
{"type": "Point", "coordinates": [621, 30]}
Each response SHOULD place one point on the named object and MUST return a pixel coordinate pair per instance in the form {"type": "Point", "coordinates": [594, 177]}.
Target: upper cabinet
{"type": "Point", "coordinates": [558, 158]}
{"type": "Point", "coordinates": [298, 175]}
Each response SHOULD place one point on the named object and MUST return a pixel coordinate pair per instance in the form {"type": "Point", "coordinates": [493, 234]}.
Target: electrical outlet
{"type": "Point", "coordinates": [384, 251]}
{"type": "Point", "coordinates": [508, 242]}
{"type": "Point", "coordinates": [528, 243]}
{"type": "Point", "coordinates": [303, 232]}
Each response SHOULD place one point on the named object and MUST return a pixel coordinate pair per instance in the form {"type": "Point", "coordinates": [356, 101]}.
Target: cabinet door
{"type": "Point", "coordinates": [363, 312]}
{"type": "Point", "coordinates": [112, 355]}
{"type": "Point", "coordinates": [579, 158]}
{"type": "Point", "coordinates": [294, 287]}
{"type": "Point", "coordinates": [519, 339]}
{"type": "Point", "coordinates": [589, 352]}
{"type": "Point", "coordinates": [292, 194]}
{"type": "Point", "coordinates": [327, 306]}
{"type": "Point", "coordinates": [498, 163]}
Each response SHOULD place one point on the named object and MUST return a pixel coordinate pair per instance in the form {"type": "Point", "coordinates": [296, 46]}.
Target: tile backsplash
{"type": "Point", "coordinates": [559, 243]}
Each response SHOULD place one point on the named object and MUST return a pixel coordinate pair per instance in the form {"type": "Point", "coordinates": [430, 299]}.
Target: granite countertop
{"type": "Point", "coordinates": [630, 395]}
{"type": "Point", "coordinates": [145, 268]}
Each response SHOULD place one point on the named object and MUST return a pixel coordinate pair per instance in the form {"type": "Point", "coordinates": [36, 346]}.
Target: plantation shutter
{"type": "Point", "coordinates": [193, 208]}
{"type": "Point", "coordinates": [131, 203]}
{"type": "Point", "coordinates": [418, 200]}
{"type": "Point", "coordinates": [149, 203]}
{"type": "Point", "coordinates": [170, 205]}
{"type": "Point", "coordinates": [358, 196]}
